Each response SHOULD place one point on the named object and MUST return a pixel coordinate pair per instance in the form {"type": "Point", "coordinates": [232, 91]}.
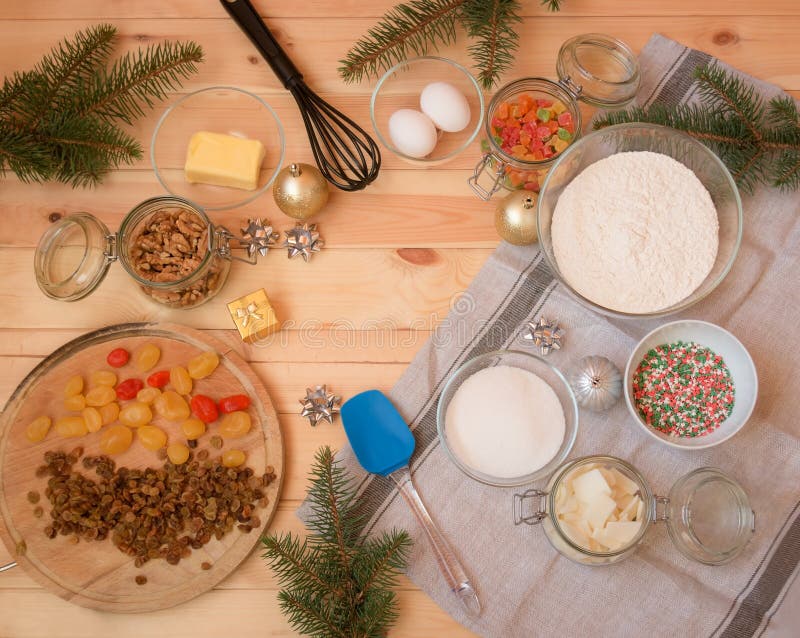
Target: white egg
{"type": "Point", "coordinates": [412, 132]}
{"type": "Point", "coordinates": [446, 106]}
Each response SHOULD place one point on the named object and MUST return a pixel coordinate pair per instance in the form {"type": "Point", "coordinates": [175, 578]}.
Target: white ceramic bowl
{"type": "Point", "coordinates": [736, 357]}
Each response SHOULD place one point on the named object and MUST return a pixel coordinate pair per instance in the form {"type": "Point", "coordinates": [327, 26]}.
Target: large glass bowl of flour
{"type": "Point", "coordinates": [507, 418]}
{"type": "Point", "coordinates": [638, 238]}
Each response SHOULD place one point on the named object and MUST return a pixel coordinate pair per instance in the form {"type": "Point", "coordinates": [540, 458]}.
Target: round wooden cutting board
{"type": "Point", "coordinates": [94, 573]}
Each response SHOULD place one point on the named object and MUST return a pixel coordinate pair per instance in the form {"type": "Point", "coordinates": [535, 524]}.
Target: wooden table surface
{"type": "Point", "coordinates": [396, 254]}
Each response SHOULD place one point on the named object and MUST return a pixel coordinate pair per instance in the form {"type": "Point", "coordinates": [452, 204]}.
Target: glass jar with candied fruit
{"type": "Point", "coordinates": [530, 121]}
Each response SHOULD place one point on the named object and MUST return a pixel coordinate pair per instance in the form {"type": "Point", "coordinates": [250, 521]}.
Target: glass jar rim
{"type": "Point", "coordinates": [564, 470]}
{"type": "Point", "coordinates": [554, 89]}
{"type": "Point", "coordinates": [147, 207]}
{"type": "Point", "coordinates": [568, 48]}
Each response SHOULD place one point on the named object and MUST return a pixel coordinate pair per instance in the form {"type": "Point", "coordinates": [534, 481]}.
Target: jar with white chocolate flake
{"type": "Point", "coordinates": [597, 510]}
{"type": "Point", "coordinates": [167, 245]}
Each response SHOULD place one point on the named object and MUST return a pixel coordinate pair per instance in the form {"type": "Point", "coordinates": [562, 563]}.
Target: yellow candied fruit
{"type": "Point", "coordinates": [234, 425]}
{"type": "Point", "coordinates": [178, 453]}
{"type": "Point", "coordinates": [102, 377]}
{"type": "Point", "coordinates": [109, 412]}
{"type": "Point", "coordinates": [93, 419]}
{"type": "Point", "coordinates": [151, 437]}
{"type": "Point", "coordinates": [115, 439]}
{"type": "Point", "coordinates": [71, 426]}
{"type": "Point", "coordinates": [147, 395]}
{"type": "Point", "coordinates": [135, 414]}
{"type": "Point", "coordinates": [75, 403]}
{"type": "Point", "coordinates": [172, 406]}
{"type": "Point", "coordinates": [233, 458]}
{"type": "Point", "coordinates": [146, 357]}
{"type": "Point", "coordinates": [203, 364]}
{"type": "Point", "coordinates": [73, 386]}
{"type": "Point", "coordinates": [558, 107]}
{"type": "Point", "coordinates": [180, 380]}
{"type": "Point", "coordinates": [193, 428]}
{"type": "Point", "coordinates": [38, 429]}
{"type": "Point", "coordinates": [99, 396]}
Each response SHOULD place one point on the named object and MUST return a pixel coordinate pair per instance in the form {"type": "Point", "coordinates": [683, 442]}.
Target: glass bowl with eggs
{"type": "Point", "coordinates": [531, 121]}
{"type": "Point", "coordinates": [637, 220]}
{"type": "Point", "coordinates": [219, 147]}
{"type": "Point", "coordinates": [427, 110]}
{"type": "Point", "coordinates": [507, 418]}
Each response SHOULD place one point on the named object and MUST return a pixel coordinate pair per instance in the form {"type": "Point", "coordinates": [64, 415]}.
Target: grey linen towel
{"type": "Point", "coordinates": [525, 586]}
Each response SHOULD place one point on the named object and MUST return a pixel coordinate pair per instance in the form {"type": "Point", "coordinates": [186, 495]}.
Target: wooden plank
{"type": "Point", "coordinates": [443, 212]}
{"type": "Point", "coordinates": [341, 345]}
{"type": "Point", "coordinates": [370, 288]}
{"type": "Point", "coordinates": [754, 44]}
{"type": "Point", "coordinates": [315, 9]}
{"type": "Point", "coordinates": [241, 613]}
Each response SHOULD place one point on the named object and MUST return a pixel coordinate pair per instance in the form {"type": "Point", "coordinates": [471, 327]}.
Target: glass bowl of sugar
{"type": "Point", "coordinates": [507, 418]}
{"type": "Point", "coordinates": [638, 220]}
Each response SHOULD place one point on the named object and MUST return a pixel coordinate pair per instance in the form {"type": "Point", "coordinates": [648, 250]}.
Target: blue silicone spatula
{"type": "Point", "coordinates": [383, 444]}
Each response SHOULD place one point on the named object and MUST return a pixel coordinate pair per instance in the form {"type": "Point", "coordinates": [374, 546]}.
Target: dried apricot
{"type": "Point", "coordinates": [146, 357]}
{"type": "Point", "coordinates": [193, 428]}
{"type": "Point", "coordinates": [235, 425]}
{"type": "Point", "coordinates": [93, 418]}
{"type": "Point", "coordinates": [180, 380]}
{"type": "Point", "coordinates": [115, 439]}
{"type": "Point", "coordinates": [100, 396]}
{"type": "Point", "coordinates": [135, 414]}
{"type": "Point", "coordinates": [203, 364]}
{"type": "Point", "coordinates": [102, 377]}
{"type": "Point", "coordinates": [151, 437]}
{"type": "Point", "coordinates": [71, 426]}
{"type": "Point", "coordinates": [109, 412]}
{"type": "Point", "coordinates": [148, 395]}
{"type": "Point", "coordinates": [233, 458]}
{"type": "Point", "coordinates": [178, 453]}
{"type": "Point", "coordinates": [172, 406]}
{"type": "Point", "coordinates": [73, 386]}
{"type": "Point", "coordinates": [38, 429]}
{"type": "Point", "coordinates": [75, 403]}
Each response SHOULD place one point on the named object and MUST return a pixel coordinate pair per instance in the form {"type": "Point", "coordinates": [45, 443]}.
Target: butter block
{"type": "Point", "coordinates": [223, 160]}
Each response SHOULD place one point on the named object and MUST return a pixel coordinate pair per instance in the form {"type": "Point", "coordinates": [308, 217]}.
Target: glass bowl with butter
{"type": "Point", "coordinates": [597, 510]}
{"type": "Point", "coordinates": [219, 147]}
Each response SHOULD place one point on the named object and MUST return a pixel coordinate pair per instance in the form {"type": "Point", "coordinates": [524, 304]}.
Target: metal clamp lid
{"type": "Point", "coordinates": [538, 512]}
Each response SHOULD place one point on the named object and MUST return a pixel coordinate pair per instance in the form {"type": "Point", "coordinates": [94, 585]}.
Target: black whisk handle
{"type": "Point", "coordinates": [245, 15]}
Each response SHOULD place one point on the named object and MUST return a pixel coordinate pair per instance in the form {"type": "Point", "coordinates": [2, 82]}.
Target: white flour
{"type": "Point", "coordinates": [635, 232]}
{"type": "Point", "coordinates": [505, 422]}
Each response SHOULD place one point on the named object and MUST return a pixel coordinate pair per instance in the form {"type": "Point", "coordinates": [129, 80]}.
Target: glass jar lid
{"type": "Point", "coordinates": [598, 69]}
{"type": "Point", "coordinates": [73, 257]}
{"type": "Point", "coordinates": [709, 517]}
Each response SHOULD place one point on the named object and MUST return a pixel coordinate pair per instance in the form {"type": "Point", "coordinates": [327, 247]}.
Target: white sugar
{"type": "Point", "coordinates": [505, 422]}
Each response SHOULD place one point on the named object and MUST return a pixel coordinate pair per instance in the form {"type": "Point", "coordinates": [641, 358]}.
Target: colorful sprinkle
{"type": "Point", "coordinates": [683, 389]}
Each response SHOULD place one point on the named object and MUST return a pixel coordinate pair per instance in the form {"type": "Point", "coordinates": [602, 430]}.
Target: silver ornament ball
{"type": "Point", "coordinates": [596, 382]}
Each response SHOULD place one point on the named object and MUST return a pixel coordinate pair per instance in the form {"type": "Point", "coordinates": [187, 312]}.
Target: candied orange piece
{"type": "Point", "coordinates": [524, 102]}
{"type": "Point", "coordinates": [502, 111]}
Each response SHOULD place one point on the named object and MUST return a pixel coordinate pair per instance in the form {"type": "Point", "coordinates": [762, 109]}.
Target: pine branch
{"type": "Point", "coordinates": [552, 5]}
{"type": "Point", "coordinates": [492, 24]}
{"type": "Point", "coordinates": [758, 142]}
{"type": "Point", "coordinates": [139, 78]}
{"type": "Point", "coordinates": [336, 582]}
{"type": "Point", "coordinates": [414, 27]}
{"type": "Point", "coordinates": [59, 121]}
{"type": "Point", "coordinates": [70, 62]}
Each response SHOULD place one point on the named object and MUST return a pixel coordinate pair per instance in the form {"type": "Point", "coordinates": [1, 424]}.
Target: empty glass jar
{"type": "Point", "coordinates": [707, 514]}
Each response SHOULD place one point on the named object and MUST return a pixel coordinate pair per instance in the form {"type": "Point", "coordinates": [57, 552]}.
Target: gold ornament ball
{"type": "Point", "coordinates": [300, 191]}
{"type": "Point", "coordinates": [515, 219]}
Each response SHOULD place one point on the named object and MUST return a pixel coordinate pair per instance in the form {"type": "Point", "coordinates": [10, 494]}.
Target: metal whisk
{"type": "Point", "coordinates": [346, 155]}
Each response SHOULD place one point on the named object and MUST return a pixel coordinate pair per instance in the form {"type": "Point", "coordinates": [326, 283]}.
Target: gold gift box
{"type": "Point", "coordinates": [254, 317]}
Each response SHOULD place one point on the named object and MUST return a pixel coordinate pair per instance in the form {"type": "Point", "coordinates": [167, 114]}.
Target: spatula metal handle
{"type": "Point", "coordinates": [449, 565]}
